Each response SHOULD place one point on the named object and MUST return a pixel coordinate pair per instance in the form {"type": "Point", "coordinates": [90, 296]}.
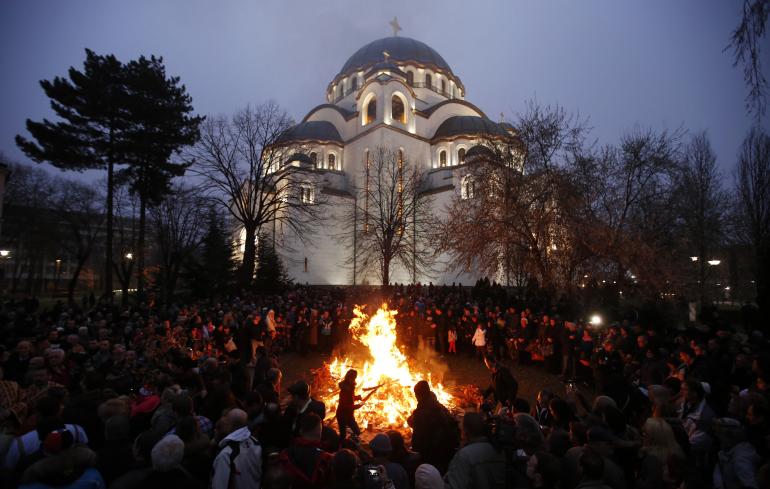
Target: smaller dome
{"type": "Point", "coordinates": [302, 158]}
{"type": "Point", "coordinates": [312, 131]}
{"type": "Point", "coordinates": [462, 125]}
{"type": "Point", "coordinates": [479, 153]}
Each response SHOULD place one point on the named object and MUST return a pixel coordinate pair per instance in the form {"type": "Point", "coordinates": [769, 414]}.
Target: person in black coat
{"type": "Point", "coordinates": [435, 434]}
{"type": "Point", "coordinates": [301, 404]}
{"type": "Point", "coordinates": [504, 386]}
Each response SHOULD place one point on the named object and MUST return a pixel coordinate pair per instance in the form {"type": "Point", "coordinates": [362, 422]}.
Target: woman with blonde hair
{"type": "Point", "coordinates": [660, 451]}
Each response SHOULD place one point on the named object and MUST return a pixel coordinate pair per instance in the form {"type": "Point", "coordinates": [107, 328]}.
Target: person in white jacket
{"type": "Point", "coordinates": [238, 465]}
{"type": "Point", "coordinates": [479, 340]}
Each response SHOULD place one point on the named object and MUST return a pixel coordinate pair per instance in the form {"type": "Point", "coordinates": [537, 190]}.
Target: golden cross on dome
{"type": "Point", "coordinates": [386, 55]}
{"type": "Point", "coordinates": [394, 25]}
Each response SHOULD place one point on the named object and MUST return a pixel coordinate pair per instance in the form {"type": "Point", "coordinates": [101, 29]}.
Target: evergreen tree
{"type": "Point", "coordinates": [218, 263]}
{"type": "Point", "coordinates": [271, 274]}
{"type": "Point", "coordinates": [92, 130]}
{"type": "Point", "coordinates": [160, 124]}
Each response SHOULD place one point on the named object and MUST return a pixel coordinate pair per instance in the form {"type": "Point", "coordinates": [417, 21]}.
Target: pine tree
{"type": "Point", "coordinates": [160, 124]}
{"type": "Point", "coordinates": [271, 274]}
{"type": "Point", "coordinates": [218, 262]}
{"type": "Point", "coordinates": [92, 130]}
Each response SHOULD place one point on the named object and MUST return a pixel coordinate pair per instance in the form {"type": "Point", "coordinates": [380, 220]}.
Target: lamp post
{"type": "Point", "coordinates": [57, 275]}
{"type": "Point", "coordinates": [4, 256]}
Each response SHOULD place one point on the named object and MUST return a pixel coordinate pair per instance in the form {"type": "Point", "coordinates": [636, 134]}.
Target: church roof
{"type": "Point", "coordinates": [312, 131]}
{"type": "Point", "coordinates": [468, 125]}
{"type": "Point", "coordinates": [399, 49]}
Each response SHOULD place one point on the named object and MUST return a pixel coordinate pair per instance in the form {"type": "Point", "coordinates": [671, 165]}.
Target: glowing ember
{"type": "Point", "coordinates": [387, 367]}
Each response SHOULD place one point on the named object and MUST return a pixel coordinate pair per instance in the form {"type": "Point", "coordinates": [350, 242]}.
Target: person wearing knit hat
{"type": "Point", "coordinates": [57, 441]}
{"type": "Point", "coordinates": [428, 477]}
{"type": "Point", "coordinates": [381, 449]}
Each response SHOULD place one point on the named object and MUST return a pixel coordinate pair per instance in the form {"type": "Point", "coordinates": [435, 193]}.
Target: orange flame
{"type": "Point", "coordinates": [393, 401]}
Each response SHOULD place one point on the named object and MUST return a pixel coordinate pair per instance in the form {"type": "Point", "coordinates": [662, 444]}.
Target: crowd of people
{"type": "Point", "coordinates": [95, 395]}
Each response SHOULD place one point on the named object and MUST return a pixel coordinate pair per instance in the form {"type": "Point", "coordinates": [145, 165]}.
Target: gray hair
{"type": "Point", "coordinates": [167, 454]}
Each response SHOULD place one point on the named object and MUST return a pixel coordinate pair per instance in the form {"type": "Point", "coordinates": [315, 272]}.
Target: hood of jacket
{"type": "Point", "coordinates": [241, 434]}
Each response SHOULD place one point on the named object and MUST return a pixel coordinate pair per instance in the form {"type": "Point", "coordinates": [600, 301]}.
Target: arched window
{"type": "Point", "coordinates": [410, 78]}
{"type": "Point", "coordinates": [314, 158]}
{"type": "Point", "coordinates": [461, 156]}
{"type": "Point", "coordinates": [467, 187]}
{"type": "Point", "coordinates": [371, 111]}
{"type": "Point", "coordinates": [354, 83]}
{"type": "Point", "coordinates": [442, 158]}
{"type": "Point", "coordinates": [443, 86]}
{"type": "Point", "coordinates": [428, 81]}
{"type": "Point", "coordinates": [332, 162]}
{"type": "Point", "coordinates": [306, 194]}
{"type": "Point", "coordinates": [397, 109]}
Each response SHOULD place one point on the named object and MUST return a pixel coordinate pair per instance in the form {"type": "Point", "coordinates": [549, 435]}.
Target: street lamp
{"type": "Point", "coordinates": [714, 263]}
{"type": "Point", "coordinates": [5, 253]}
{"type": "Point", "coordinates": [129, 256]}
{"type": "Point", "coordinates": [596, 320]}
{"type": "Point", "coordinates": [694, 258]}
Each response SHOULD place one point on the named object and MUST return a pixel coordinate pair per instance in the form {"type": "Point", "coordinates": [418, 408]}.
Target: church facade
{"type": "Point", "coordinates": [395, 93]}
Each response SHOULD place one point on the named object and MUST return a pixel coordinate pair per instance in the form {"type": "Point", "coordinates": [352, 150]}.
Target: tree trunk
{"type": "Point", "coordinates": [386, 272]}
{"type": "Point", "coordinates": [108, 241]}
{"type": "Point", "coordinates": [762, 282]}
{"type": "Point", "coordinates": [249, 257]}
{"type": "Point", "coordinates": [140, 246]}
{"type": "Point", "coordinates": [74, 280]}
{"type": "Point", "coordinates": [171, 278]}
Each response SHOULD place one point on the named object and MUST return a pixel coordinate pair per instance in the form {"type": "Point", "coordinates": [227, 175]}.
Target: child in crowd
{"type": "Point", "coordinates": [479, 340]}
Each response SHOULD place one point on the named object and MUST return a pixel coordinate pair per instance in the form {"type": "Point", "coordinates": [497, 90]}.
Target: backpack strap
{"type": "Point", "coordinates": [235, 450]}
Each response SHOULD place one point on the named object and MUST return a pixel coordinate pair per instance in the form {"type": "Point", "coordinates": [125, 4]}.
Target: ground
{"type": "Point", "coordinates": [462, 370]}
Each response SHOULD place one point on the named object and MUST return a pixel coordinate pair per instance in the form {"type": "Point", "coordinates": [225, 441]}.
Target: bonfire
{"type": "Point", "coordinates": [385, 378]}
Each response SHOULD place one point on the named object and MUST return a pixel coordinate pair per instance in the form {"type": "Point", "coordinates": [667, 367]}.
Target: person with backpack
{"type": "Point", "coordinates": [238, 465]}
{"type": "Point", "coordinates": [304, 461]}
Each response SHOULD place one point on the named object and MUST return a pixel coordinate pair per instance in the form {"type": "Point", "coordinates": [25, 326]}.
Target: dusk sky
{"type": "Point", "coordinates": [652, 63]}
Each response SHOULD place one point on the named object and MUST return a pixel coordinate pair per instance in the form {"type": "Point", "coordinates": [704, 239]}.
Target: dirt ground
{"type": "Point", "coordinates": [462, 370]}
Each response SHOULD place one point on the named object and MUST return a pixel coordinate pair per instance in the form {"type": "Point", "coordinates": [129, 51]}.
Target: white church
{"type": "Point", "coordinates": [397, 93]}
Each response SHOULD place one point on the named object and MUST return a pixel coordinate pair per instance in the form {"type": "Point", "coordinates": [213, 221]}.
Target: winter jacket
{"type": "Point", "coordinates": [29, 443]}
{"type": "Point", "coordinates": [241, 452]}
{"type": "Point", "coordinates": [479, 337]}
{"type": "Point", "coordinates": [737, 468]}
{"type": "Point", "coordinates": [476, 465]}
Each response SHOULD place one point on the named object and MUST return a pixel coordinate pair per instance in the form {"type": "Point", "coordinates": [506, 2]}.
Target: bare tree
{"type": "Point", "coordinates": [752, 181]}
{"type": "Point", "coordinates": [702, 206]}
{"type": "Point", "coordinates": [391, 221]}
{"type": "Point", "coordinates": [746, 42]}
{"type": "Point", "coordinates": [176, 225]}
{"type": "Point", "coordinates": [626, 207]}
{"type": "Point", "coordinates": [29, 229]}
{"type": "Point", "coordinates": [511, 205]}
{"type": "Point", "coordinates": [245, 167]}
{"type": "Point", "coordinates": [80, 207]}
